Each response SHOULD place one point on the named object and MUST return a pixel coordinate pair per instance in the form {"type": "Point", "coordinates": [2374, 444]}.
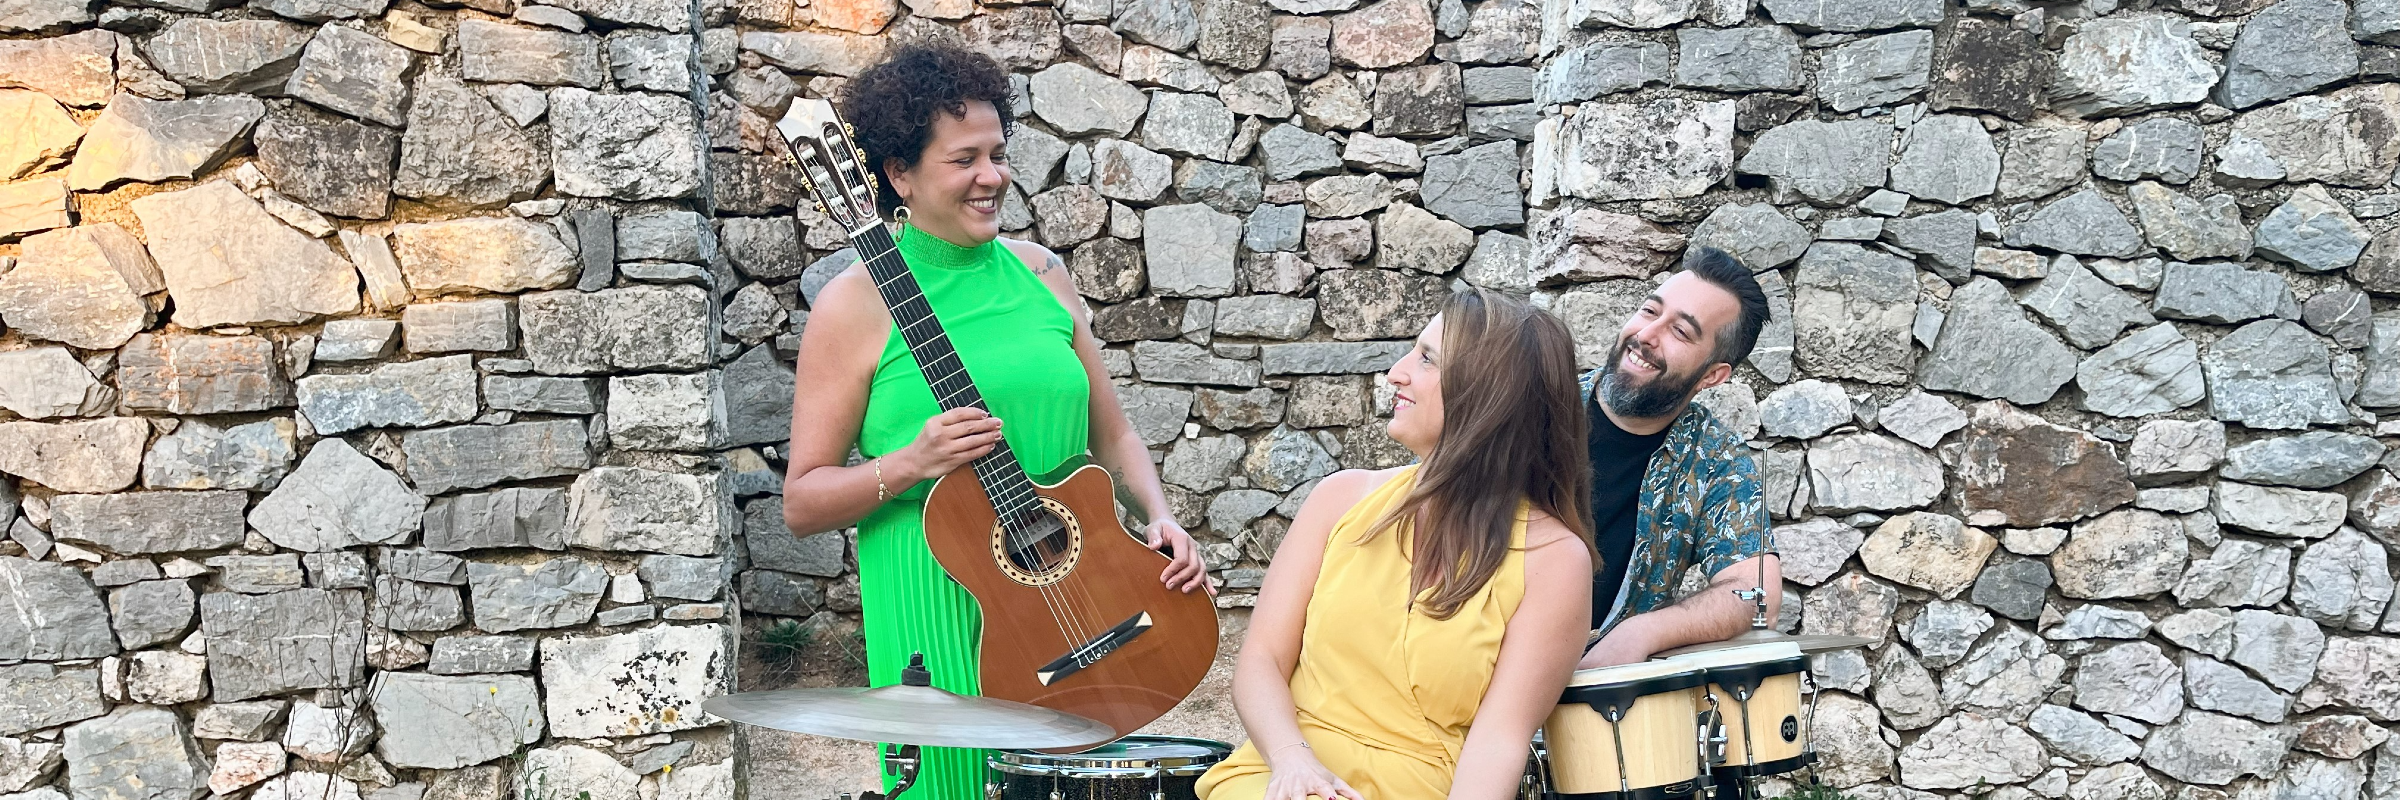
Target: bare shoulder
{"type": "Point", "coordinates": [1550, 538]}
{"type": "Point", "coordinates": [849, 300]}
{"type": "Point", "coordinates": [1341, 490]}
{"type": "Point", "coordinates": [1040, 259]}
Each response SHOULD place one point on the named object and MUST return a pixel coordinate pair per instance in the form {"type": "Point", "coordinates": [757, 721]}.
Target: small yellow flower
{"type": "Point", "coordinates": [495, 690]}
{"type": "Point", "coordinates": [666, 769]}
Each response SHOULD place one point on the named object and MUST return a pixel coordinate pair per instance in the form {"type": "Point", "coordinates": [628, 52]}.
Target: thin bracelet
{"type": "Point", "coordinates": [882, 495]}
{"type": "Point", "coordinates": [1303, 745]}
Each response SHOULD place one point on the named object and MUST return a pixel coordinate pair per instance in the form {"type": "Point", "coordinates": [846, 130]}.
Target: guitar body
{"type": "Point", "coordinates": [1098, 578]}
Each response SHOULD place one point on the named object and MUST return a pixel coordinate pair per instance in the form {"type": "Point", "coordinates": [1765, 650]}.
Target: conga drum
{"type": "Point", "coordinates": [1756, 689]}
{"type": "Point", "coordinates": [1132, 768]}
{"type": "Point", "coordinates": [1626, 733]}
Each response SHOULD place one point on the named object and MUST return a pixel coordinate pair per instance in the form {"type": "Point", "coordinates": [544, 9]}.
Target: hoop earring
{"type": "Point", "coordinates": [900, 215]}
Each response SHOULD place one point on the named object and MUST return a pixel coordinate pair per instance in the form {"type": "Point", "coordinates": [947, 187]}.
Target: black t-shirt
{"type": "Point", "coordinates": [1618, 461]}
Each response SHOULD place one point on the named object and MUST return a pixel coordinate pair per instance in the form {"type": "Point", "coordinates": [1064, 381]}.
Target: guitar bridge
{"type": "Point", "coordinates": [1091, 652]}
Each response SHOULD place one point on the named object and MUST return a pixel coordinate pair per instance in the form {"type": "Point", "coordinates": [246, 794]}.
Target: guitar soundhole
{"type": "Point", "coordinates": [1039, 546]}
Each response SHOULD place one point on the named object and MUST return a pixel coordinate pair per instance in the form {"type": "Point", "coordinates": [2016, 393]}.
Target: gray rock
{"type": "Point", "coordinates": [1286, 458]}
{"type": "Point", "coordinates": [152, 612]}
{"type": "Point", "coordinates": [496, 52]}
{"type": "Point", "coordinates": [1947, 158]}
{"type": "Point", "coordinates": [2096, 621]}
{"type": "Point", "coordinates": [1476, 187]}
{"type": "Point", "coordinates": [1907, 693]}
{"type": "Point", "coordinates": [1156, 412]}
{"type": "Point", "coordinates": [23, 763]}
{"type": "Point", "coordinates": [258, 574]}
{"type": "Point", "coordinates": [1203, 464]}
{"type": "Point", "coordinates": [1804, 410]}
{"type": "Point", "coordinates": [2204, 630]}
{"type": "Point", "coordinates": [442, 722]}
{"type": "Point", "coordinates": [1190, 250]}
{"type": "Point", "coordinates": [1127, 171]}
{"type": "Point", "coordinates": [352, 72]}
{"type": "Point", "coordinates": [474, 655]}
{"type": "Point", "coordinates": [1176, 362]}
{"type": "Point", "coordinates": [2088, 310]}
{"type": "Point", "coordinates": [1077, 101]}
{"type": "Point", "coordinates": [2221, 293]}
{"type": "Point", "coordinates": [1970, 749]}
{"type": "Point", "coordinates": [617, 686]}
{"type": "Point", "coordinates": [2036, 162]}
{"type": "Point", "coordinates": [651, 61]}
{"type": "Point", "coordinates": [670, 411]}
{"type": "Point", "coordinates": [1189, 124]}
{"type": "Point", "coordinates": [195, 374]}
{"type": "Point", "coordinates": [137, 753]}
{"type": "Point", "coordinates": [637, 509]}
{"type": "Point", "coordinates": [633, 328]}
{"type": "Point", "coordinates": [95, 456]}
{"type": "Point", "coordinates": [1330, 358]}
{"type": "Point", "coordinates": [2245, 161]}
{"type": "Point", "coordinates": [1377, 304]}
{"type": "Point", "coordinates": [683, 577]}
{"type": "Point", "coordinates": [1676, 147]}
{"type": "Point", "coordinates": [2272, 374]}
{"type": "Point", "coordinates": [2348, 675]}
{"type": "Point", "coordinates": [1988, 348]}
{"type": "Point", "coordinates": [1737, 59]}
{"type": "Point", "coordinates": [2215, 749]}
{"type": "Point", "coordinates": [2077, 736]}
{"type": "Point", "coordinates": [2130, 680]}
{"type": "Point", "coordinates": [2126, 65]}
{"type": "Point", "coordinates": [241, 722]}
{"type": "Point", "coordinates": [2188, 228]}
{"type": "Point", "coordinates": [2372, 505]}
{"type": "Point", "coordinates": [2340, 315]}
{"type": "Point", "coordinates": [2127, 553]}
{"type": "Point", "coordinates": [1944, 631]}
{"type": "Point", "coordinates": [1865, 471]}
{"type": "Point", "coordinates": [459, 147]}
{"type": "Point", "coordinates": [2334, 137]}
{"type": "Point", "coordinates": [407, 394]}
{"type": "Point", "coordinates": [135, 523]}
{"type": "Point", "coordinates": [1946, 239]}
{"type": "Point", "coordinates": [1600, 68]}
{"type": "Point", "coordinates": [1852, 309]}
{"type": "Point", "coordinates": [471, 325]}
{"type": "Point", "coordinates": [1829, 163]}
{"type": "Point", "coordinates": [2281, 649]}
{"type": "Point", "coordinates": [2164, 148]}
{"type": "Point", "coordinates": [624, 146]}
{"type": "Point", "coordinates": [557, 593]}
{"type": "Point", "coordinates": [2312, 460]}
{"type": "Point", "coordinates": [331, 164]}
{"type": "Point", "coordinates": [1815, 549]}
{"type": "Point", "coordinates": [2153, 371]}
{"type": "Point", "coordinates": [227, 261]}
{"type": "Point", "coordinates": [44, 382]}
{"type": "Point", "coordinates": [55, 614]}
{"type": "Point", "coordinates": [1875, 71]}
{"type": "Point", "coordinates": [405, 605]}
{"type": "Point", "coordinates": [1758, 235]}
{"type": "Point", "coordinates": [772, 546]}
{"type": "Point", "coordinates": [269, 644]}
{"type": "Point", "coordinates": [1851, 604]}
{"type": "Point", "coordinates": [540, 395]}
{"type": "Point", "coordinates": [2083, 223]}
{"type": "Point", "coordinates": [1224, 187]}
{"type": "Point", "coordinates": [139, 139]}
{"type": "Point", "coordinates": [1850, 17]}
{"type": "Point", "coordinates": [1269, 228]}
{"type": "Point", "coordinates": [227, 56]}
{"type": "Point", "coordinates": [2311, 231]}
{"type": "Point", "coordinates": [2380, 386]}
{"type": "Point", "coordinates": [2278, 511]}
{"type": "Point", "coordinates": [1265, 317]}
{"type": "Point", "coordinates": [2343, 581]}
{"type": "Point", "coordinates": [37, 696]}
{"type": "Point", "coordinates": [2290, 48]}
{"type": "Point", "coordinates": [2013, 587]}
{"type": "Point", "coordinates": [513, 517]}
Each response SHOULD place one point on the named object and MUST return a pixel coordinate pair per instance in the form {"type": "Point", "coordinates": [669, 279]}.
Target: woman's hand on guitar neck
{"type": "Point", "coordinates": [1185, 571]}
{"type": "Point", "coordinates": [948, 441]}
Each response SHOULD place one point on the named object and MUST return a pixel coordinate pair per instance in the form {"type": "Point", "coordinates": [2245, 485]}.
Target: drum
{"type": "Point", "coordinates": [1626, 733]}
{"type": "Point", "coordinates": [1756, 689]}
{"type": "Point", "coordinates": [1132, 768]}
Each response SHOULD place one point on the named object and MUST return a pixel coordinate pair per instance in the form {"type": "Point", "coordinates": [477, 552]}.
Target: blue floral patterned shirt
{"type": "Point", "coordinates": [1701, 506]}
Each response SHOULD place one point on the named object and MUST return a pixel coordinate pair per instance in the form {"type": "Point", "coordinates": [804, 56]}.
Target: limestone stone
{"type": "Point", "coordinates": [1944, 631]}
{"type": "Point", "coordinates": [1970, 749]}
{"type": "Point", "coordinates": [2125, 781]}
{"type": "Point", "coordinates": [1590, 244]}
{"type": "Point", "coordinates": [1903, 688]}
{"type": "Point", "coordinates": [33, 206]}
{"type": "Point", "coordinates": [2272, 374]}
{"type": "Point", "coordinates": [1986, 64]}
{"type": "Point", "coordinates": [190, 374]}
{"type": "Point", "coordinates": [2312, 460]}
{"type": "Point", "coordinates": [246, 722]}
{"type": "Point", "coordinates": [2086, 310]}
{"type": "Point", "coordinates": [338, 498]}
{"type": "Point", "coordinates": [474, 456]}
{"type": "Point", "coordinates": [498, 52]}
{"type": "Point", "coordinates": [268, 644]}
{"type": "Point", "coordinates": [228, 262]}
{"type": "Point", "coordinates": [2131, 680]}
{"type": "Point", "coordinates": [636, 509]}
{"type": "Point", "coordinates": [557, 593]}
{"type": "Point", "coordinates": [240, 765]}
{"type": "Point", "coordinates": [139, 523]}
{"type": "Point", "coordinates": [2036, 162]}
{"type": "Point", "coordinates": [2237, 573]}
{"type": "Point", "coordinates": [633, 328]}
{"type": "Point", "coordinates": [1805, 409]}
{"type": "Point", "coordinates": [1988, 348]}
{"type": "Point", "coordinates": [1814, 549]}
{"type": "Point", "coordinates": [2188, 228]}
{"type": "Point", "coordinates": [1947, 158]}
{"type": "Point", "coordinates": [1386, 34]}
{"type": "Point", "coordinates": [443, 722]}
{"type": "Point", "coordinates": [624, 146]}
{"type": "Point", "coordinates": [2165, 451]}
{"type": "Point", "coordinates": [81, 286]}
{"type": "Point", "coordinates": [38, 695]}
{"type": "Point", "coordinates": [2083, 223]}
{"type": "Point", "coordinates": [1877, 70]}
{"type": "Point", "coordinates": [1848, 737]}
{"type": "Point", "coordinates": [1737, 59]}
{"type": "Point", "coordinates": [666, 411]}
{"type": "Point", "coordinates": [1851, 604]}
{"type": "Point", "coordinates": [1851, 17]}
{"type": "Point", "coordinates": [2356, 673]}
{"type": "Point", "coordinates": [164, 678]}
{"type": "Point", "coordinates": [2278, 511]}
{"type": "Point", "coordinates": [2080, 737]}
{"type": "Point", "coordinates": [2281, 649]}
{"type": "Point", "coordinates": [1865, 471]}
{"type": "Point", "coordinates": [2334, 138]}
{"type": "Point", "coordinates": [1669, 148]}
{"type": "Point", "coordinates": [2343, 736]}
{"type": "Point", "coordinates": [2343, 580]}
{"type": "Point", "coordinates": [1599, 68]}
{"type": "Point", "coordinates": [2207, 631]}
{"type": "Point", "coordinates": [136, 753]}
{"type": "Point", "coordinates": [1828, 163]}
{"type": "Point", "coordinates": [94, 456]}
{"type": "Point", "coordinates": [461, 148]}
{"type": "Point", "coordinates": [2164, 148]}
{"type": "Point", "coordinates": [355, 73]}
{"type": "Point", "coordinates": [2084, 475]}
{"type": "Point", "coordinates": [1852, 309]}
{"type": "Point", "coordinates": [2015, 588]}
{"type": "Point", "coordinates": [45, 382]}
{"type": "Point", "coordinates": [2095, 621]}
{"type": "Point", "coordinates": [2375, 505]}
{"type": "Point", "coordinates": [1189, 124]}
{"type": "Point", "coordinates": [1757, 235]}
{"type": "Point", "coordinates": [416, 394]}
{"type": "Point", "coordinates": [1934, 552]}
{"type": "Point", "coordinates": [2217, 686]}
{"type": "Point", "coordinates": [152, 612]}
{"type": "Point", "coordinates": [140, 139]}
{"type": "Point", "coordinates": [496, 254]}
{"type": "Point", "coordinates": [1426, 100]}
{"type": "Point", "coordinates": [2214, 749]}
{"type": "Point", "coordinates": [2342, 315]}
{"type": "Point", "coordinates": [2126, 65]}
{"type": "Point", "coordinates": [1475, 187]}
{"type": "Point", "coordinates": [1078, 100]}
{"type": "Point", "coordinates": [512, 517]}
{"type": "Point", "coordinates": [2288, 49]}
{"type": "Point", "coordinates": [619, 686]}
{"type": "Point", "coordinates": [470, 325]}
{"type": "Point", "coordinates": [2380, 386]}
{"type": "Point", "coordinates": [42, 134]}
{"type": "Point", "coordinates": [331, 164]}
{"type": "Point", "coordinates": [1190, 250]}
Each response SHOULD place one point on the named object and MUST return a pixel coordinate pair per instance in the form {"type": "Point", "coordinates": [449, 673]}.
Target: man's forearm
{"type": "Point", "coordinates": [1709, 615]}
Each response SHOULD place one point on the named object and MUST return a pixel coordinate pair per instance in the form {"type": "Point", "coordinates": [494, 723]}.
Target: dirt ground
{"type": "Point", "coordinates": [791, 766]}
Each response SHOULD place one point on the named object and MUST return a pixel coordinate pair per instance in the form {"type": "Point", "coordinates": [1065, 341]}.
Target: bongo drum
{"type": "Point", "coordinates": [1755, 689]}
{"type": "Point", "coordinates": [1132, 768]}
{"type": "Point", "coordinates": [1626, 733]}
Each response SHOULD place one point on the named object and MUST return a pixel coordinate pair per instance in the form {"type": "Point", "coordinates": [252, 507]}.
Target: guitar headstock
{"type": "Point", "coordinates": [817, 142]}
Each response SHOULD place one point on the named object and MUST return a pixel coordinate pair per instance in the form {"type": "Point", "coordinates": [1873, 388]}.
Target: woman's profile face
{"type": "Point", "coordinates": [1417, 396]}
{"type": "Point", "coordinates": [955, 189]}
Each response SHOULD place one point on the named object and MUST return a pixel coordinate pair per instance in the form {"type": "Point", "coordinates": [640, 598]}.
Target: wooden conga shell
{"type": "Point", "coordinates": [1767, 735]}
{"type": "Point", "coordinates": [1659, 732]}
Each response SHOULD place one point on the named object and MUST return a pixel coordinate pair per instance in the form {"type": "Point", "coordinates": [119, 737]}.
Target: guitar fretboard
{"type": "Point", "coordinates": [1003, 480]}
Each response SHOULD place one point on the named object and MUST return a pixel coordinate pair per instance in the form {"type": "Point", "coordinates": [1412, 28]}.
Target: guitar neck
{"type": "Point", "coordinates": [1003, 480]}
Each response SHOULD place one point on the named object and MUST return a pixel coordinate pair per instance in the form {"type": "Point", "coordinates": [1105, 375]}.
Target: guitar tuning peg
{"type": "Point", "coordinates": [821, 210]}
{"type": "Point", "coordinates": [849, 129]}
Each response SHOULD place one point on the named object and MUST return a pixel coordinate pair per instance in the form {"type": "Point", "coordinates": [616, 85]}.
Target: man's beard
{"type": "Point", "coordinates": [1662, 395]}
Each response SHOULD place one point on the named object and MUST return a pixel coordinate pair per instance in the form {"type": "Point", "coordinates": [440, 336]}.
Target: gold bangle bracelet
{"type": "Point", "coordinates": [882, 495]}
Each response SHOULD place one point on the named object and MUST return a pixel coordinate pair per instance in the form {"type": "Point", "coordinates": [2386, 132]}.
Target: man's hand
{"type": "Point", "coordinates": [1612, 651]}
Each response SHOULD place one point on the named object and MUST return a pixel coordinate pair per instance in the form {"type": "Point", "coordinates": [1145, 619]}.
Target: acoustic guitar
{"type": "Point", "coordinates": [1074, 616]}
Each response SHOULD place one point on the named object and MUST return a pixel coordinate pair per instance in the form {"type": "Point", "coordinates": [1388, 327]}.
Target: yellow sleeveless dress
{"type": "Point", "coordinates": [1385, 692]}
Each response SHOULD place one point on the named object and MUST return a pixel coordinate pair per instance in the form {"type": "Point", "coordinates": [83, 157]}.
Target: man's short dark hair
{"type": "Point", "coordinates": [1725, 272]}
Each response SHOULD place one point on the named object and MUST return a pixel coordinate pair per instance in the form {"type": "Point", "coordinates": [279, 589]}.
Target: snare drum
{"type": "Point", "coordinates": [1757, 693]}
{"type": "Point", "coordinates": [1626, 733]}
{"type": "Point", "coordinates": [1132, 768]}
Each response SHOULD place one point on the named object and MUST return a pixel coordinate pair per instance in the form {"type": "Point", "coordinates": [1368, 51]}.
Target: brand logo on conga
{"type": "Point", "coordinates": [1791, 728]}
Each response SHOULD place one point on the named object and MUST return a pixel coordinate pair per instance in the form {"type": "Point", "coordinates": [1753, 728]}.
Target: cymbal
{"type": "Point", "coordinates": [920, 715]}
{"type": "Point", "coordinates": [1809, 643]}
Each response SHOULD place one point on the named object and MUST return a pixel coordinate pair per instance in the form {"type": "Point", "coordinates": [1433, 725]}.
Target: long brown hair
{"type": "Point", "coordinates": [1512, 430]}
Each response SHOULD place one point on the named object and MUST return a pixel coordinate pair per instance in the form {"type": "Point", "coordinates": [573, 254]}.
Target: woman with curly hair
{"type": "Point", "coordinates": [934, 122]}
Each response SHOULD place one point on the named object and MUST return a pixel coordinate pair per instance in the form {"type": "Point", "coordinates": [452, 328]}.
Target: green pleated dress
{"type": "Point", "coordinates": [1018, 344]}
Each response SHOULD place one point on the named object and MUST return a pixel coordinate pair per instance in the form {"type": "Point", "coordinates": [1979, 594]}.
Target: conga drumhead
{"type": "Point", "coordinates": [1130, 757]}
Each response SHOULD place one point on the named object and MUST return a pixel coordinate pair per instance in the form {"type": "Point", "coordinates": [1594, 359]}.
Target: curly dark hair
{"type": "Point", "coordinates": [891, 104]}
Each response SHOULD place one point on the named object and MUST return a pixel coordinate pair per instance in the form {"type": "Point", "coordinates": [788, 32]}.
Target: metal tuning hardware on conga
{"type": "Point", "coordinates": [1755, 689]}
{"type": "Point", "coordinates": [1132, 768]}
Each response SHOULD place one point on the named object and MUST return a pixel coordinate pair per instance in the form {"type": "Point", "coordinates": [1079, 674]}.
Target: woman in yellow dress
{"type": "Point", "coordinates": [1418, 623]}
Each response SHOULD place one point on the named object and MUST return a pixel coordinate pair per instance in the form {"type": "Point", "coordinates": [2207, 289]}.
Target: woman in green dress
{"type": "Point", "coordinates": [933, 120]}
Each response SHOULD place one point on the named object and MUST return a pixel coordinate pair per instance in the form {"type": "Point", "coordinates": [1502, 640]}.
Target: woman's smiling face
{"type": "Point", "coordinates": [955, 189]}
{"type": "Point", "coordinates": [1417, 392]}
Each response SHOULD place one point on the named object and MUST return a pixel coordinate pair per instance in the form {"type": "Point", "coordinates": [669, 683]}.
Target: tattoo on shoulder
{"type": "Point", "coordinates": [1051, 264]}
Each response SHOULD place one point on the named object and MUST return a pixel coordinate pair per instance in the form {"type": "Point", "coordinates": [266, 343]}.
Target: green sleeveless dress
{"type": "Point", "coordinates": [1018, 345]}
